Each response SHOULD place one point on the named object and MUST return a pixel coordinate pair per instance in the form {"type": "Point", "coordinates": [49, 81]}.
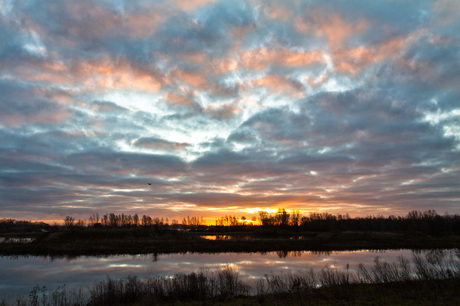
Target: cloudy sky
{"type": "Point", "coordinates": [228, 107]}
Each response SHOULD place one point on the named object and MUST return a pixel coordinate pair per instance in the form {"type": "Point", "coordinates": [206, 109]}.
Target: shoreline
{"type": "Point", "coordinates": [118, 241]}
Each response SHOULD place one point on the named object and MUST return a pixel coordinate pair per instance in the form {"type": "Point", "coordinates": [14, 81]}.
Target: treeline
{"type": "Point", "coordinates": [127, 220]}
{"type": "Point", "coordinates": [7, 224]}
{"type": "Point", "coordinates": [428, 222]}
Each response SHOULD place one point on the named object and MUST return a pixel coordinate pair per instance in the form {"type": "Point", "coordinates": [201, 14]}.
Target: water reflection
{"type": "Point", "coordinates": [246, 237]}
{"type": "Point", "coordinates": [16, 240]}
{"type": "Point", "coordinates": [227, 237]}
{"type": "Point", "coordinates": [284, 254]}
{"type": "Point", "coordinates": [20, 274]}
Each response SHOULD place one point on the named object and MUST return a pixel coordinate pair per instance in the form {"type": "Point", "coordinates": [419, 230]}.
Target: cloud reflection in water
{"type": "Point", "coordinates": [21, 274]}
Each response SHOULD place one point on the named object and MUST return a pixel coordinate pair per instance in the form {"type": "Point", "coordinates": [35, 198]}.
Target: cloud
{"type": "Point", "coordinates": [340, 106]}
{"type": "Point", "coordinates": [260, 59]}
{"type": "Point", "coordinates": [175, 98]}
{"type": "Point", "coordinates": [22, 105]}
{"type": "Point", "coordinates": [192, 79]}
{"type": "Point", "coordinates": [279, 11]}
{"type": "Point", "coordinates": [333, 27]}
{"type": "Point", "coordinates": [106, 106]}
{"type": "Point", "coordinates": [156, 143]}
{"type": "Point", "coordinates": [278, 84]}
{"type": "Point", "coordinates": [192, 5]}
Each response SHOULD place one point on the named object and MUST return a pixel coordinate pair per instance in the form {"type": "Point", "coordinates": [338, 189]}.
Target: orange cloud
{"type": "Point", "coordinates": [353, 61]}
{"type": "Point", "coordinates": [335, 28]}
{"type": "Point", "coordinates": [47, 72]}
{"type": "Point", "coordinates": [223, 66]}
{"type": "Point", "coordinates": [16, 120]}
{"type": "Point", "coordinates": [337, 31]}
{"type": "Point", "coordinates": [192, 79]}
{"type": "Point", "coordinates": [318, 81]}
{"type": "Point", "coordinates": [190, 5]}
{"type": "Point", "coordinates": [95, 74]}
{"type": "Point", "coordinates": [109, 74]}
{"type": "Point", "coordinates": [194, 57]}
{"type": "Point", "coordinates": [223, 111]}
{"type": "Point", "coordinates": [178, 99]}
{"type": "Point", "coordinates": [259, 59]}
{"type": "Point", "coordinates": [302, 25]}
{"type": "Point", "coordinates": [275, 11]}
{"type": "Point", "coordinates": [279, 84]}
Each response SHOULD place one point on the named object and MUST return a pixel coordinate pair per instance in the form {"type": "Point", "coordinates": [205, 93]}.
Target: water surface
{"type": "Point", "coordinates": [20, 274]}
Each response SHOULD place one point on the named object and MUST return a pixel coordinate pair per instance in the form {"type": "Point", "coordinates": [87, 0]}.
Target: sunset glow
{"type": "Point", "coordinates": [212, 108]}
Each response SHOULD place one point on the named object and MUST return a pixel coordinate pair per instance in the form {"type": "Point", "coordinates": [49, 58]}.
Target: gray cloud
{"type": "Point", "coordinates": [347, 107]}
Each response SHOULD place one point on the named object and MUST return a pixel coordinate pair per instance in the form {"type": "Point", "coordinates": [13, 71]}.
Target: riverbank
{"type": "Point", "coordinates": [111, 241]}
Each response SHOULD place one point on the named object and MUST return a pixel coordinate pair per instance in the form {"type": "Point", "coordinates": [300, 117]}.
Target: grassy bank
{"type": "Point", "coordinates": [429, 279]}
{"type": "Point", "coordinates": [104, 241]}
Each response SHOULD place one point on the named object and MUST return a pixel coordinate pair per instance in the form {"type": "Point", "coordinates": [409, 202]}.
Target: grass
{"type": "Point", "coordinates": [431, 279]}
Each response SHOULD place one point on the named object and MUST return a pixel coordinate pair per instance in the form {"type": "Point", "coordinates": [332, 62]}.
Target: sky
{"type": "Point", "coordinates": [228, 107]}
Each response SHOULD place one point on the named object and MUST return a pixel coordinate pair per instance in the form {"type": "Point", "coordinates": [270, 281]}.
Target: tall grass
{"type": "Point", "coordinates": [223, 284]}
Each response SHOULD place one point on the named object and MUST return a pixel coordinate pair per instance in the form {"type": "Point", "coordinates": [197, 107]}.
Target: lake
{"type": "Point", "coordinates": [20, 274]}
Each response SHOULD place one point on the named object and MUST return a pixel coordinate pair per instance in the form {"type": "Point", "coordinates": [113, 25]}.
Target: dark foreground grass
{"type": "Point", "coordinates": [139, 240]}
{"type": "Point", "coordinates": [421, 292]}
{"type": "Point", "coordinates": [444, 292]}
{"type": "Point", "coordinates": [429, 279]}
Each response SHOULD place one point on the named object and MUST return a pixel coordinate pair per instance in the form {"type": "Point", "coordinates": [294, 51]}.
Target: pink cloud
{"type": "Point", "coordinates": [276, 11]}
{"type": "Point", "coordinates": [178, 99]}
{"type": "Point", "coordinates": [353, 61]}
{"type": "Point", "coordinates": [259, 59]}
{"type": "Point", "coordinates": [90, 20]}
{"type": "Point", "coordinates": [223, 66]}
{"type": "Point", "coordinates": [106, 73]}
{"type": "Point", "coordinates": [194, 57]}
{"type": "Point", "coordinates": [192, 78]}
{"type": "Point", "coordinates": [331, 26]}
{"type": "Point", "coordinates": [191, 5]}
{"type": "Point", "coordinates": [142, 24]}
{"type": "Point", "coordinates": [338, 31]}
{"type": "Point", "coordinates": [317, 81]}
{"type": "Point", "coordinates": [95, 74]}
{"type": "Point", "coordinates": [16, 120]}
{"type": "Point", "coordinates": [223, 111]}
{"type": "Point", "coordinates": [160, 144]}
{"type": "Point", "coordinates": [279, 84]}
{"type": "Point", "coordinates": [448, 11]}
{"type": "Point", "coordinates": [239, 32]}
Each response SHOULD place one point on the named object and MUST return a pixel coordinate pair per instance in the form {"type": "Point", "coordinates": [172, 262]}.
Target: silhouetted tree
{"type": "Point", "coordinates": [68, 221]}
